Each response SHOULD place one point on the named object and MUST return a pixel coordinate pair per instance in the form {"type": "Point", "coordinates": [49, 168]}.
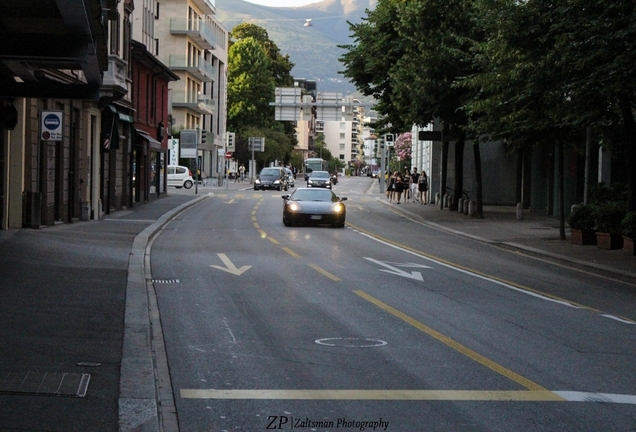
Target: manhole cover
{"type": "Point", "coordinates": [351, 342]}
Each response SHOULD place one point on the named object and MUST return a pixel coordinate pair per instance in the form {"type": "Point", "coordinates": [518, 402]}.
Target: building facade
{"type": "Point", "coordinates": [193, 43]}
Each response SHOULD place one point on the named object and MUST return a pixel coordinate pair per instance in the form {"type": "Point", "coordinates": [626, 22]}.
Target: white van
{"type": "Point", "coordinates": [180, 176]}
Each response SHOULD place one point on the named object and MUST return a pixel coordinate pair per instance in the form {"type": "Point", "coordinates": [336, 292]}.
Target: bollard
{"type": "Point", "coordinates": [465, 209]}
{"type": "Point", "coordinates": [460, 205]}
{"type": "Point", "coordinates": [445, 201]}
{"type": "Point", "coordinates": [472, 208]}
{"type": "Point", "coordinates": [519, 211]}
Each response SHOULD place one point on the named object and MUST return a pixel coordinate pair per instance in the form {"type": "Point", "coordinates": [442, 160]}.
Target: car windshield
{"type": "Point", "coordinates": [270, 171]}
{"type": "Point", "coordinates": [320, 174]}
{"type": "Point", "coordinates": [313, 195]}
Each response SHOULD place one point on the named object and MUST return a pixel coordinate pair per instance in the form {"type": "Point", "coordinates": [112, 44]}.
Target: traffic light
{"type": "Point", "coordinates": [231, 142]}
{"type": "Point", "coordinates": [204, 136]}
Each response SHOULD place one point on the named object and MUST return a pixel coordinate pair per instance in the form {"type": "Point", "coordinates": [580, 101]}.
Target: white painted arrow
{"type": "Point", "coordinates": [396, 271]}
{"type": "Point", "coordinates": [230, 267]}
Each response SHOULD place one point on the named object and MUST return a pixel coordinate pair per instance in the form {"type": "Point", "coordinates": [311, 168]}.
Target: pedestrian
{"type": "Point", "coordinates": [406, 180]}
{"type": "Point", "coordinates": [390, 190]}
{"type": "Point", "coordinates": [414, 188]}
{"type": "Point", "coordinates": [398, 186]}
{"type": "Point", "coordinates": [422, 187]}
{"type": "Point", "coordinates": [242, 172]}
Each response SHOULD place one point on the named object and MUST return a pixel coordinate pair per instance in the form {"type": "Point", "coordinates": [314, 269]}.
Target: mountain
{"type": "Point", "coordinates": [313, 49]}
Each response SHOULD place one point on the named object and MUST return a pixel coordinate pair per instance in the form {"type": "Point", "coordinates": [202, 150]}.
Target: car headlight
{"type": "Point", "coordinates": [276, 181]}
{"type": "Point", "coordinates": [292, 206]}
{"type": "Point", "coordinates": [338, 208]}
{"type": "Point", "coordinates": [257, 181]}
{"type": "Point", "coordinates": [310, 182]}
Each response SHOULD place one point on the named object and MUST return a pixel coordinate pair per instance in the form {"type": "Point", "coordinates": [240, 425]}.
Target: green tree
{"type": "Point", "coordinates": [279, 65]}
{"type": "Point", "coordinates": [250, 86]}
{"type": "Point", "coordinates": [409, 56]}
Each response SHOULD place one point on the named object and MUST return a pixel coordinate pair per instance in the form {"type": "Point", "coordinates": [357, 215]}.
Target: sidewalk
{"type": "Point", "coordinates": [536, 234]}
{"type": "Point", "coordinates": [70, 291]}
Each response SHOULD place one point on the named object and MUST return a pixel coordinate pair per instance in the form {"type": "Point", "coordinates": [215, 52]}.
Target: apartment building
{"type": "Point", "coordinates": [193, 43]}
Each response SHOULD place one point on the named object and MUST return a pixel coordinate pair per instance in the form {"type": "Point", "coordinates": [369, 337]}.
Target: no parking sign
{"type": "Point", "coordinates": [51, 126]}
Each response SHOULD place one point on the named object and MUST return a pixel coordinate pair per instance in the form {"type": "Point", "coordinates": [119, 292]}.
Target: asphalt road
{"type": "Point", "coordinates": [383, 325]}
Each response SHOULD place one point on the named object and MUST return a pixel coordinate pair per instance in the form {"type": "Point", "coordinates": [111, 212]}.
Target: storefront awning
{"type": "Point", "coordinates": [125, 118]}
{"type": "Point", "coordinates": [154, 144]}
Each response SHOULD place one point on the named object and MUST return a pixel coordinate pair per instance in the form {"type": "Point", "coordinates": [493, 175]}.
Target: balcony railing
{"type": "Point", "coordinates": [199, 68]}
{"type": "Point", "coordinates": [115, 78]}
{"type": "Point", "coordinates": [197, 29]}
{"type": "Point", "coordinates": [200, 104]}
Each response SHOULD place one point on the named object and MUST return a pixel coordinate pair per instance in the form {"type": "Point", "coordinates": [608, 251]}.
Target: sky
{"type": "Point", "coordinates": [283, 3]}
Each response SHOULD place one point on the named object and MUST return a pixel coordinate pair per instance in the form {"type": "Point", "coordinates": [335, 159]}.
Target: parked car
{"type": "Point", "coordinates": [290, 178]}
{"type": "Point", "coordinates": [180, 176]}
{"type": "Point", "coordinates": [271, 178]}
{"type": "Point", "coordinates": [319, 179]}
{"type": "Point", "coordinates": [314, 206]}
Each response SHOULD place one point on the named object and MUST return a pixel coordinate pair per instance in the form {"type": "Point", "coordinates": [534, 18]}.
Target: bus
{"type": "Point", "coordinates": [315, 164]}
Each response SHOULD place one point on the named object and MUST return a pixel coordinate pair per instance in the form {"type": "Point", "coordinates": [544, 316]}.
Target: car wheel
{"type": "Point", "coordinates": [339, 225]}
{"type": "Point", "coordinates": [188, 184]}
{"type": "Point", "coordinates": [286, 223]}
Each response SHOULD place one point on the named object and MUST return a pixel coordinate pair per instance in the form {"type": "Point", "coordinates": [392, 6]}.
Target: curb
{"type": "Point", "coordinates": [139, 401]}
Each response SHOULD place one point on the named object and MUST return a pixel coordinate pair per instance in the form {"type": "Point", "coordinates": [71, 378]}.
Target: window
{"type": "Point", "coordinates": [342, 136]}
{"type": "Point", "coordinates": [343, 125]}
{"type": "Point", "coordinates": [342, 157]}
{"type": "Point", "coordinates": [342, 146]}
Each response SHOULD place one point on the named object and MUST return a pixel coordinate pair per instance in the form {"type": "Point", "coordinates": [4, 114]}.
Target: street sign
{"type": "Point", "coordinates": [51, 126]}
{"type": "Point", "coordinates": [189, 143]}
{"type": "Point", "coordinates": [228, 155]}
{"type": "Point", "coordinates": [256, 144]}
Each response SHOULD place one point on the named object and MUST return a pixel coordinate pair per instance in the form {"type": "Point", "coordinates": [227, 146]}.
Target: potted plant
{"type": "Point", "coordinates": [608, 218]}
{"type": "Point", "coordinates": [629, 232]}
{"type": "Point", "coordinates": [581, 223]}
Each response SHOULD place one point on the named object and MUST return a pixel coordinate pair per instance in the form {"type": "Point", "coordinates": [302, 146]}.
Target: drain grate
{"type": "Point", "coordinates": [45, 383]}
{"type": "Point", "coordinates": [166, 281]}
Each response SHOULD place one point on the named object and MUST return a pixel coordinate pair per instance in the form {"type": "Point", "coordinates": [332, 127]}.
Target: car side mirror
{"type": "Point", "coordinates": [343, 198]}
{"type": "Point", "coordinates": [285, 197]}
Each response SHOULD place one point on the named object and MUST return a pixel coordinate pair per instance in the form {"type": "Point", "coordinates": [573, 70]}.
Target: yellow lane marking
{"type": "Point", "coordinates": [451, 343]}
{"type": "Point", "coordinates": [257, 226]}
{"type": "Point", "coordinates": [273, 240]}
{"type": "Point", "coordinates": [470, 270]}
{"type": "Point", "coordinates": [440, 395]}
{"type": "Point", "coordinates": [291, 252]}
{"type": "Point", "coordinates": [254, 218]}
{"type": "Point", "coordinates": [324, 272]}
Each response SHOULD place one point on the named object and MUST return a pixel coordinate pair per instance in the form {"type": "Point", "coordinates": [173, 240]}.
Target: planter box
{"type": "Point", "coordinates": [609, 241]}
{"type": "Point", "coordinates": [628, 246]}
{"type": "Point", "coordinates": [582, 237]}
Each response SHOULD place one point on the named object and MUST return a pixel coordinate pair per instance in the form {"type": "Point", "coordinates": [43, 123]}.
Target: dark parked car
{"type": "Point", "coordinates": [319, 179]}
{"type": "Point", "coordinates": [271, 178]}
{"type": "Point", "coordinates": [314, 206]}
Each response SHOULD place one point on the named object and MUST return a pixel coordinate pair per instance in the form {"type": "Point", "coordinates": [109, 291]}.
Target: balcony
{"type": "Point", "coordinates": [198, 30]}
{"type": "Point", "coordinates": [115, 80]}
{"type": "Point", "coordinates": [201, 104]}
{"type": "Point", "coordinates": [200, 69]}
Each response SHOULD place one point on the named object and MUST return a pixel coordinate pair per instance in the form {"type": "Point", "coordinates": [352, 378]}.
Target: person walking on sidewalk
{"type": "Point", "coordinates": [414, 178]}
{"type": "Point", "coordinates": [242, 172]}
{"type": "Point", "coordinates": [422, 187]}
{"type": "Point", "coordinates": [398, 186]}
{"type": "Point", "coordinates": [406, 181]}
{"type": "Point", "coordinates": [390, 190]}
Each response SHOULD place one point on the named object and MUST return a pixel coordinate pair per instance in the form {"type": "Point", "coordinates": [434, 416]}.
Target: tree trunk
{"type": "Point", "coordinates": [459, 171]}
{"type": "Point", "coordinates": [630, 135]}
{"type": "Point", "coordinates": [443, 168]}
{"type": "Point", "coordinates": [479, 211]}
{"type": "Point", "coordinates": [561, 175]}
